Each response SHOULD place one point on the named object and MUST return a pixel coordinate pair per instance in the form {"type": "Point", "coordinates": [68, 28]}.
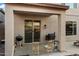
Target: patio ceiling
{"type": "Point", "coordinates": [33, 13]}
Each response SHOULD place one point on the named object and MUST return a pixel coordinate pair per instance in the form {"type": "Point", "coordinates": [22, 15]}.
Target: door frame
{"type": "Point", "coordinates": [32, 29]}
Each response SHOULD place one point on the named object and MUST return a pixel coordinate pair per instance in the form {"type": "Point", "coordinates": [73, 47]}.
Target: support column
{"type": "Point", "coordinates": [9, 31]}
{"type": "Point", "coordinates": [61, 32]}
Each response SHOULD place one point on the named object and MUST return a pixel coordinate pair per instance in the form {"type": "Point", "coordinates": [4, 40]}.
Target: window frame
{"type": "Point", "coordinates": [73, 29]}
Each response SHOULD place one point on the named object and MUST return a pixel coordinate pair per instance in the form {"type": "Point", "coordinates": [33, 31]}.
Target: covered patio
{"type": "Point", "coordinates": [49, 16]}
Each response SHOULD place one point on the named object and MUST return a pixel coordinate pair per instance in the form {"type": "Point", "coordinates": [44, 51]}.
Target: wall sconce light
{"type": "Point", "coordinates": [45, 26]}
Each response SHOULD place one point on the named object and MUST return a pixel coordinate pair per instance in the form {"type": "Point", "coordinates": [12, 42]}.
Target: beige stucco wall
{"type": "Point", "coordinates": [22, 7]}
{"type": "Point", "coordinates": [9, 31]}
{"type": "Point", "coordinates": [50, 21]}
{"type": "Point", "coordinates": [11, 21]}
{"type": "Point", "coordinates": [73, 15]}
{"type": "Point", "coordinates": [73, 11]}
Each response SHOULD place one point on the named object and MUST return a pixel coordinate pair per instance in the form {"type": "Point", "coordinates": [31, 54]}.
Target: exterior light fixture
{"type": "Point", "coordinates": [45, 26]}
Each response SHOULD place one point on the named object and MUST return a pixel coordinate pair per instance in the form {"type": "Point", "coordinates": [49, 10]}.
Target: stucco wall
{"type": "Point", "coordinates": [73, 15]}
{"type": "Point", "coordinates": [9, 31]}
{"type": "Point", "coordinates": [30, 8]}
{"type": "Point", "coordinates": [51, 22]}
{"type": "Point", "coordinates": [11, 24]}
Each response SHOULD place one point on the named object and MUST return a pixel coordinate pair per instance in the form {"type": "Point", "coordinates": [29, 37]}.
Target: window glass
{"type": "Point", "coordinates": [71, 28]}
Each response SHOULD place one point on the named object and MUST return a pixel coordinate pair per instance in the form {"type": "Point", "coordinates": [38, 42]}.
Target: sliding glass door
{"type": "Point", "coordinates": [32, 31]}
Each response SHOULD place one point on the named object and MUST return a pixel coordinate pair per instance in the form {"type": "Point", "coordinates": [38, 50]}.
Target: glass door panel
{"type": "Point", "coordinates": [28, 31]}
{"type": "Point", "coordinates": [32, 31]}
{"type": "Point", "coordinates": [36, 25]}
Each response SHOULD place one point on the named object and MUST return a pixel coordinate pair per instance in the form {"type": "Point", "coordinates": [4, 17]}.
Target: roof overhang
{"type": "Point", "coordinates": [33, 13]}
{"type": "Point", "coordinates": [49, 5]}
{"type": "Point", "coordinates": [44, 5]}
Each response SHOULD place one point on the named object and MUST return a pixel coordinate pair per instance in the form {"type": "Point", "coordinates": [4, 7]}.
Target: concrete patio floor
{"type": "Point", "coordinates": [69, 50]}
